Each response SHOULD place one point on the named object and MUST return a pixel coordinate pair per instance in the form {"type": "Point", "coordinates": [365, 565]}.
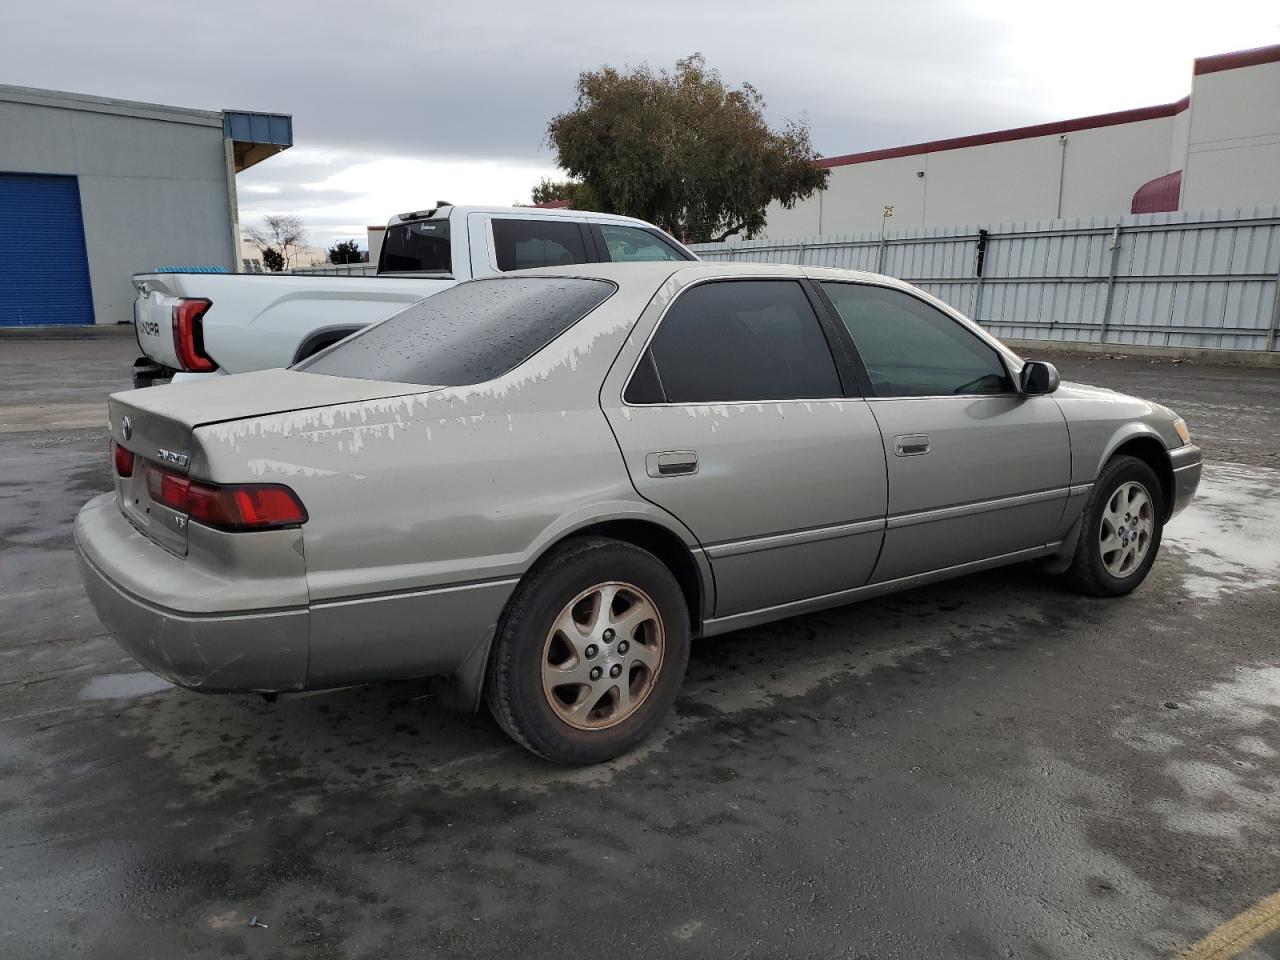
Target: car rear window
{"type": "Point", "coordinates": [419, 247]}
{"type": "Point", "coordinates": [467, 334]}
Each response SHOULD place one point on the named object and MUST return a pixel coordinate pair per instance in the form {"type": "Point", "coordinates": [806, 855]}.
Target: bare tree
{"type": "Point", "coordinates": [282, 232]}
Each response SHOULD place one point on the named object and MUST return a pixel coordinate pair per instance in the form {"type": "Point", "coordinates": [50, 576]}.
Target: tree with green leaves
{"type": "Point", "coordinates": [346, 251]}
{"type": "Point", "coordinates": [576, 194]}
{"type": "Point", "coordinates": [272, 260]}
{"type": "Point", "coordinates": [680, 149]}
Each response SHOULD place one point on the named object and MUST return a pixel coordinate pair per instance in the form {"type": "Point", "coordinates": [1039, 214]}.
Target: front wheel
{"type": "Point", "coordinates": [1120, 530]}
{"type": "Point", "coordinates": [591, 652]}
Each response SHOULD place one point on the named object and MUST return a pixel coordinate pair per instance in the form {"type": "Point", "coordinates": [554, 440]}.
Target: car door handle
{"type": "Point", "coordinates": [910, 445]}
{"type": "Point", "coordinates": [671, 463]}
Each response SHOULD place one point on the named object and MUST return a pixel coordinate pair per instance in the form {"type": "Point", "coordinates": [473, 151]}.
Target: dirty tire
{"type": "Point", "coordinates": [1088, 573]}
{"type": "Point", "coordinates": [514, 682]}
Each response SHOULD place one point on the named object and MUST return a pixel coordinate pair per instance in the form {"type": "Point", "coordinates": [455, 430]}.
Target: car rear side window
{"type": "Point", "coordinates": [738, 340]}
{"type": "Point", "coordinates": [467, 334]}
{"type": "Point", "coordinates": [911, 349]}
{"type": "Point", "coordinates": [521, 244]}
{"type": "Point", "coordinates": [420, 247]}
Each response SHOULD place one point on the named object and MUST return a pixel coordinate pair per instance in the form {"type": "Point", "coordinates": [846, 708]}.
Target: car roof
{"type": "Point", "coordinates": [684, 272]}
{"type": "Point", "coordinates": [640, 281]}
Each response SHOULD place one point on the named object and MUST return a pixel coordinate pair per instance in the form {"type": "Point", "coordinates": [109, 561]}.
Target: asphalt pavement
{"type": "Point", "coordinates": [991, 767]}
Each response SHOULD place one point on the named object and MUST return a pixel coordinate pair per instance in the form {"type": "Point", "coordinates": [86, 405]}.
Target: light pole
{"type": "Point", "coordinates": [884, 220]}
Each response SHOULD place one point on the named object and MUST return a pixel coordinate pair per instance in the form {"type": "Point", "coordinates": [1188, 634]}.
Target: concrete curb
{"type": "Point", "coordinates": [95, 332]}
{"type": "Point", "coordinates": [1243, 358]}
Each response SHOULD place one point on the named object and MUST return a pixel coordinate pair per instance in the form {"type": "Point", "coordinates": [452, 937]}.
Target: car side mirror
{"type": "Point", "coordinates": [1038, 377]}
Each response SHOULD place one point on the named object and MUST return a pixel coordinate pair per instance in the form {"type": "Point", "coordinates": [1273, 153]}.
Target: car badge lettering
{"type": "Point", "coordinates": [168, 456]}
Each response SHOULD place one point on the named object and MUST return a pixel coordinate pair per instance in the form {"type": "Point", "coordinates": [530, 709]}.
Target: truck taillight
{"type": "Point", "coordinates": [239, 506]}
{"type": "Point", "coordinates": [123, 460]}
{"type": "Point", "coordinates": [188, 335]}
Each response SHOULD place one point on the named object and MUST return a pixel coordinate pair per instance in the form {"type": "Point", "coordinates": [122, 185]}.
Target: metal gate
{"type": "Point", "coordinates": [44, 270]}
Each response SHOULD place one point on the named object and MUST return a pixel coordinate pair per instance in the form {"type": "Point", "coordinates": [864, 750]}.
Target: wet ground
{"type": "Point", "coordinates": [987, 768]}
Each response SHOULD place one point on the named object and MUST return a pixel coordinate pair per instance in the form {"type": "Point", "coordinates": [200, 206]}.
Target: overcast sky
{"type": "Point", "coordinates": [397, 104]}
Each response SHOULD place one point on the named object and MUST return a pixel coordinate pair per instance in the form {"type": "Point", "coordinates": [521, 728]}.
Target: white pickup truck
{"type": "Point", "coordinates": [193, 325]}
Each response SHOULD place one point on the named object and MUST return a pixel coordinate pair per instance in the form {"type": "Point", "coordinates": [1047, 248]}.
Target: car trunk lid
{"type": "Point", "coordinates": [157, 426]}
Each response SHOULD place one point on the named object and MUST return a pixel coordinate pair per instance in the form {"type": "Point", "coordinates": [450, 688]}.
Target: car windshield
{"type": "Point", "coordinates": [467, 334]}
{"type": "Point", "coordinates": [420, 247]}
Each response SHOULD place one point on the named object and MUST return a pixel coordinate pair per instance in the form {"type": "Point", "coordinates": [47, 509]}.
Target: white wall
{"type": "Point", "coordinates": [1233, 149]}
{"type": "Point", "coordinates": [1226, 140]}
{"type": "Point", "coordinates": [375, 235]}
{"type": "Point", "coordinates": [988, 183]}
{"type": "Point", "coordinates": [1106, 165]}
{"type": "Point", "coordinates": [152, 192]}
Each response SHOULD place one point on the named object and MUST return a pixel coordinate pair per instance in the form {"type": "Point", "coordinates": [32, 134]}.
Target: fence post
{"type": "Point", "coordinates": [1275, 317]}
{"type": "Point", "coordinates": [979, 267]}
{"type": "Point", "coordinates": [1111, 283]}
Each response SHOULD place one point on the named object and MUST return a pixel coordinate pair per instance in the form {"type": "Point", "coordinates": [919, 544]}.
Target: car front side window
{"type": "Point", "coordinates": [737, 340]}
{"type": "Point", "coordinates": [912, 349]}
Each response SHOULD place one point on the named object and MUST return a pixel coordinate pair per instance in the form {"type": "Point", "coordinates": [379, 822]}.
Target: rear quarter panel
{"type": "Point", "coordinates": [455, 488]}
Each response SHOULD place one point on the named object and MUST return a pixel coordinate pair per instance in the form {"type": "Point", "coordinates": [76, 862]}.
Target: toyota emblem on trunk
{"type": "Point", "coordinates": [126, 428]}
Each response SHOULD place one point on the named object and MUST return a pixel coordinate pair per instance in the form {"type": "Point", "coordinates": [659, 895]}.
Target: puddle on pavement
{"type": "Point", "coordinates": [1230, 535]}
{"type": "Point", "coordinates": [121, 686]}
{"type": "Point", "coordinates": [1227, 791]}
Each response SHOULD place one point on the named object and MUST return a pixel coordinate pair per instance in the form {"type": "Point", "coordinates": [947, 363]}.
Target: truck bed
{"type": "Point", "coordinates": [260, 321]}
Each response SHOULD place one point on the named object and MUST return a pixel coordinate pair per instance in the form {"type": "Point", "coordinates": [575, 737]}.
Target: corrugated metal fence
{"type": "Point", "coordinates": [338, 270]}
{"type": "Point", "coordinates": [1208, 279]}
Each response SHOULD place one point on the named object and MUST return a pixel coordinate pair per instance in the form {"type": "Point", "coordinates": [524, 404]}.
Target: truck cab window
{"type": "Point", "coordinates": [521, 244]}
{"type": "Point", "coordinates": [420, 247]}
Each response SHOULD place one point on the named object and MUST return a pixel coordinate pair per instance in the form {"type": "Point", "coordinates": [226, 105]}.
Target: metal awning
{"type": "Point", "coordinates": [256, 136]}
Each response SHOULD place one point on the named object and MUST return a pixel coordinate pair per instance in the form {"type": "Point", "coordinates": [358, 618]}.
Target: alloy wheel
{"type": "Point", "coordinates": [1125, 534]}
{"type": "Point", "coordinates": [602, 655]}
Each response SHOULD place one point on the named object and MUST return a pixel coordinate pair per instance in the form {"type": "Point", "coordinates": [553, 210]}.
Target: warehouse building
{"type": "Point", "coordinates": [1218, 147]}
{"type": "Point", "coordinates": [93, 190]}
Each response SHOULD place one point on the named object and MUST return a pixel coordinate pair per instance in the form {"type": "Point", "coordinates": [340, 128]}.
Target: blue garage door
{"type": "Point", "coordinates": [44, 272]}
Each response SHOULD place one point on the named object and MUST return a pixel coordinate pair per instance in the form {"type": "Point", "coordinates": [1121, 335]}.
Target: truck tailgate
{"type": "Point", "coordinates": [153, 318]}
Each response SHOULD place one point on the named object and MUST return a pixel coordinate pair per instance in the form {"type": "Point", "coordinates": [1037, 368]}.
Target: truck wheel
{"type": "Point", "coordinates": [1119, 531]}
{"type": "Point", "coordinates": [590, 653]}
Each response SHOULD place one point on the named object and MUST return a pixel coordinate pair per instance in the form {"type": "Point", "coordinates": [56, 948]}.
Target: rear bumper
{"type": "Point", "coordinates": [147, 373]}
{"type": "Point", "coordinates": [1188, 463]}
{"type": "Point", "coordinates": [214, 652]}
{"type": "Point", "coordinates": [252, 632]}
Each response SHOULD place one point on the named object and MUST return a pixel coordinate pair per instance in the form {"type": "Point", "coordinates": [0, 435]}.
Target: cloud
{"type": "Point", "coordinates": [354, 190]}
{"type": "Point", "coordinates": [466, 89]}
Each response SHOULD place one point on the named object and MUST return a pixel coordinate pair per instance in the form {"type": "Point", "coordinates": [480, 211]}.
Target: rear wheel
{"type": "Point", "coordinates": [1120, 530]}
{"type": "Point", "coordinates": [591, 652]}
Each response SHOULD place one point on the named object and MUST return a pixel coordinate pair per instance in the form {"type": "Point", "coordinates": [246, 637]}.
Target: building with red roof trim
{"type": "Point", "coordinates": [1218, 147]}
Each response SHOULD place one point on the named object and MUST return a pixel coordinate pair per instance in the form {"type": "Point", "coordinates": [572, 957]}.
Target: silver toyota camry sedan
{"type": "Point", "coordinates": [538, 488]}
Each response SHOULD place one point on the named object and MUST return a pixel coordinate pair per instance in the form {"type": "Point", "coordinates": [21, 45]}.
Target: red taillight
{"type": "Point", "coordinates": [168, 489]}
{"type": "Point", "coordinates": [188, 336]}
{"type": "Point", "coordinates": [123, 460]}
{"type": "Point", "coordinates": [241, 506]}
